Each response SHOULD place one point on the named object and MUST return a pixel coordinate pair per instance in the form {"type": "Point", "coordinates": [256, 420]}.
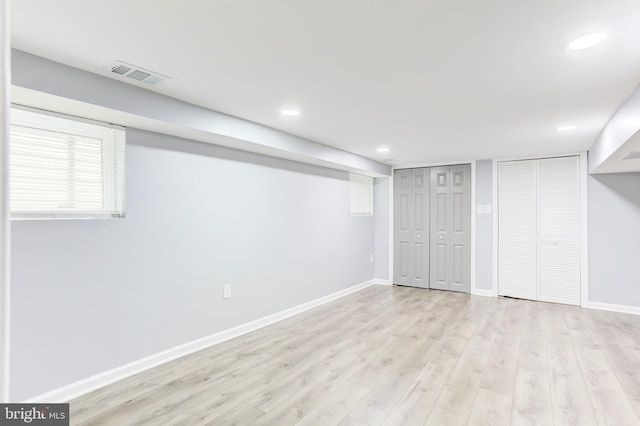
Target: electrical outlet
{"type": "Point", "coordinates": [227, 291]}
{"type": "Point", "coordinates": [371, 258]}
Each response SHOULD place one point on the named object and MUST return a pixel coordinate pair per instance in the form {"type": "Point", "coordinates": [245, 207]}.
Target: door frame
{"type": "Point", "coordinates": [584, 247]}
{"type": "Point", "coordinates": [473, 289]}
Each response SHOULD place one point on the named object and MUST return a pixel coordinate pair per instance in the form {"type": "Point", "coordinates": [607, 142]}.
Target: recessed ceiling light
{"type": "Point", "coordinates": [586, 41]}
{"type": "Point", "coordinates": [382, 149]}
{"type": "Point", "coordinates": [290, 112]}
{"type": "Point", "coordinates": [566, 128]}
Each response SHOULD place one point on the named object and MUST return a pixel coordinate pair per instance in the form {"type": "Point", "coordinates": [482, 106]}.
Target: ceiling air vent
{"type": "Point", "coordinates": [633, 155]}
{"type": "Point", "coordinates": [136, 73]}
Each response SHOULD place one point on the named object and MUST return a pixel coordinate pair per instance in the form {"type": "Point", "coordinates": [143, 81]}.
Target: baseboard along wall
{"type": "Point", "coordinates": [625, 309]}
{"type": "Point", "coordinates": [81, 387]}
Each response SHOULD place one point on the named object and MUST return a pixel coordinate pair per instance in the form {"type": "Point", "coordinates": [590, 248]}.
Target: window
{"type": "Point", "coordinates": [61, 166]}
{"type": "Point", "coordinates": [361, 194]}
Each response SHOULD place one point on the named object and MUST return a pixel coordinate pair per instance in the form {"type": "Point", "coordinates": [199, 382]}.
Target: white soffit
{"type": "Point", "coordinates": [619, 138]}
{"type": "Point", "coordinates": [48, 102]}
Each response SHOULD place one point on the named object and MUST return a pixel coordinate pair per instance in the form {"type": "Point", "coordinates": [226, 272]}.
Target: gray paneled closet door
{"type": "Point", "coordinates": [451, 228]}
{"type": "Point", "coordinates": [411, 227]}
{"type": "Point", "coordinates": [432, 227]}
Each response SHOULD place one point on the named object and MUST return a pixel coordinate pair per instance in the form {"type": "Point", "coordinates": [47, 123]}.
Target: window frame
{"type": "Point", "coordinates": [112, 160]}
{"type": "Point", "coordinates": [360, 193]}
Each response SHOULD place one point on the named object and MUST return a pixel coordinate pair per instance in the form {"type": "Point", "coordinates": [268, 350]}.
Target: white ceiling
{"type": "Point", "coordinates": [433, 80]}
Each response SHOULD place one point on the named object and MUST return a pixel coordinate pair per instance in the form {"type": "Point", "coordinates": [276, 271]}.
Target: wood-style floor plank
{"type": "Point", "coordinates": [241, 415]}
{"type": "Point", "coordinates": [416, 404]}
{"type": "Point", "coordinates": [491, 408]}
{"type": "Point", "coordinates": [397, 356]}
{"type": "Point", "coordinates": [500, 375]}
{"type": "Point", "coordinates": [569, 396]}
{"type": "Point", "coordinates": [531, 402]}
{"type": "Point", "coordinates": [337, 406]}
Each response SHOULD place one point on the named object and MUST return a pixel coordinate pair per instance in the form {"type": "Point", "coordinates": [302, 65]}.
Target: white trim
{"type": "Point", "coordinates": [391, 219]}
{"type": "Point", "coordinates": [473, 213]}
{"type": "Point", "coordinates": [483, 292]}
{"type": "Point", "coordinates": [433, 164]}
{"type": "Point", "coordinates": [540, 157]}
{"type": "Point", "coordinates": [494, 209]}
{"type": "Point", "coordinates": [5, 228]}
{"type": "Point", "coordinates": [614, 308]}
{"type": "Point", "coordinates": [379, 281]}
{"type": "Point", "coordinates": [97, 381]}
{"type": "Point", "coordinates": [584, 231]}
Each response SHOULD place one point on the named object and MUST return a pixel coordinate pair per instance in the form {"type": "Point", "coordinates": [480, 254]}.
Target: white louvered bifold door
{"type": "Point", "coordinates": [517, 229]}
{"type": "Point", "coordinates": [559, 230]}
{"type": "Point", "coordinates": [539, 229]}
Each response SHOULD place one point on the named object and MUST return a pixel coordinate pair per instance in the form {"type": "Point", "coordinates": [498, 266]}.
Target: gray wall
{"type": "Point", "coordinates": [484, 226]}
{"type": "Point", "coordinates": [614, 238]}
{"type": "Point", "coordinates": [381, 218]}
{"type": "Point", "coordinates": [91, 295]}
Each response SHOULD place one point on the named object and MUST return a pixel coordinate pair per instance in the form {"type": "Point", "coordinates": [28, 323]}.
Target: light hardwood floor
{"type": "Point", "coordinates": [397, 356]}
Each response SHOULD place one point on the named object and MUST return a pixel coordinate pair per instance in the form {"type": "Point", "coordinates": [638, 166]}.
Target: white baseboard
{"type": "Point", "coordinates": [92, 383]}
{"type": "Point", "coordinates": [380, 281]}
{"type": "Point", "coordinates": [625, 309]}
{"type": "Point", "coordinates": [483, 292]}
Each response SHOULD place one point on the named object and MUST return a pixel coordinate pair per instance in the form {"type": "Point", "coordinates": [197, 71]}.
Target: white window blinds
{"type": "Point", "coordinates": [361, 195]}
{"type": "Point", "coordinates": [64, 167]}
